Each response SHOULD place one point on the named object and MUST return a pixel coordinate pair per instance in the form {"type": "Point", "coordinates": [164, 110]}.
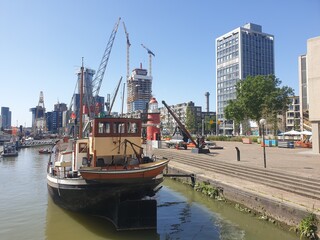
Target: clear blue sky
{"type": "Point", "coordinates": [42, 43]}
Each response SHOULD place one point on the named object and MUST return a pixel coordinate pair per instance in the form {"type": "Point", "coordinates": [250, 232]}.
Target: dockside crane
{"type": "Point", "coordinates": [185, 132]}
{"type": "Point", "coordinates": [128, 50]}
{"type": "Point", "coordinates": [150, 58]}
{"type": "Point", "coordinates": [109, 104]}
{"type": "Point", "coordinates": [92, 91]}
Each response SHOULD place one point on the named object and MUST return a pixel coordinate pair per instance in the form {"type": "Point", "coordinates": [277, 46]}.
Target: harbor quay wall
{"type": "Point", "coordinates": [282, 212]}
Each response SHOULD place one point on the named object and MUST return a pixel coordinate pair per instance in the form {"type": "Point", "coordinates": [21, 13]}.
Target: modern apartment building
{"type": "Point", "coordinates": [244, 51]}
{"type": "Point", "coordinates": [293, 114]}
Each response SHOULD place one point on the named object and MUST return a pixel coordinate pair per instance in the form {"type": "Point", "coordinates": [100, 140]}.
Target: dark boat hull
{"type": "Point", "coordinates": [125, 206]}
{"type": "Point", "coordinates": [92, 197]}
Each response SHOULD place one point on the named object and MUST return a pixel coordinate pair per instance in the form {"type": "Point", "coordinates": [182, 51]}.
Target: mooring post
{"type": "Point", "coordinates": [238, 153]}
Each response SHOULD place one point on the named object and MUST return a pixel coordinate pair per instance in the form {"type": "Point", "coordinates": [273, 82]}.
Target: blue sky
{"type": "Point", "coordinates": [42, 43]}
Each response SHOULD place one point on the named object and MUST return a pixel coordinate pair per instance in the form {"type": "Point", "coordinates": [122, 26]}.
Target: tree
{"type": "Point", "coordinates": [234, 111]}
{"type": "Point", "coordinates": [258, 96]}
{"type": "Point", "coordinates": [190, 120]}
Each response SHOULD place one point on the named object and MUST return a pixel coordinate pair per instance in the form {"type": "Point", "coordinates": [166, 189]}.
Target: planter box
{"type": "Point", "coordinates": [274, 143]}
{"type": "Point", "coordinates": [285, 144]}
{"type": "Point", "coordinates": [246, 140]}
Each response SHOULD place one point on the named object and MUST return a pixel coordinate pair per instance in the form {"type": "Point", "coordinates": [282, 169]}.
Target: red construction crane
{"type": "Point", "coordinates": [128, 48]}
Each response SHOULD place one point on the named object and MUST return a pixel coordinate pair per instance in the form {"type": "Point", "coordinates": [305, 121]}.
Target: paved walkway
{"type": "Point", "coordinates": [300, 161]}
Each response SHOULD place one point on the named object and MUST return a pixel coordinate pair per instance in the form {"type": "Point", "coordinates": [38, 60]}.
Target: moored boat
{"type": "Point", "coordinates": [98, 173]}
{"type": "Point", "coordinates": [45, 151]}
{"type": "Point", "coordinates": [9, 150]}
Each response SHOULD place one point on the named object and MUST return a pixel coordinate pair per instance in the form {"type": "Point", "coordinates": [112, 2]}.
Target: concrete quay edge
{"type": "Point", "coordinates": [280, 205]}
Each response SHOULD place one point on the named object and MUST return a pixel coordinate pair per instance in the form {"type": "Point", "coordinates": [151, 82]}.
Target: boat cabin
{"type": "Point", "coordinates": [112, 141]}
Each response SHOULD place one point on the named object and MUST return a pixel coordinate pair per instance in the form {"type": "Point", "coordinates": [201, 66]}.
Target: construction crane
{"type": "Point", "coordinates": [92, 91]}
{"type": "Point", "coordinates": [150, 58]}
{"type": "Point", "coordinates": [109, 105]}
{"type": "Point", "coordinates": [128, 48]}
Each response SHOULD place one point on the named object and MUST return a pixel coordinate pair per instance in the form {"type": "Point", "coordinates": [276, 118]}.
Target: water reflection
{"type": "Point", "coordinates": [182, 218]}
{"type": "Point", "coordinates": [222, 219]}
{"type": "Point", "coordinates": [28, 213]}
{"type": "Point", "coordinates": [63, 224]}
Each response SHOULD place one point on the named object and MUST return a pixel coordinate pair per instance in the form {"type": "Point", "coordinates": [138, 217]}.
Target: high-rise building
{"type": "Point", "coordinates": [139, 90]}
{"type": "Point", "coordinates": [6, 117]}
{"type": "Point", "coordinates": [303, 93]}
{"type": "Point", "coordinates": [244, 51]}
{"type": "Point", "coordinates": [88, 92]}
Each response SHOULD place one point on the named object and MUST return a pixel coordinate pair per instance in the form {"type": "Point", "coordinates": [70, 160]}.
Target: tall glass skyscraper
{"type": "Point", "coordinates": [244, 51]}
{"type": "Point", "coordinates": [5, 117]}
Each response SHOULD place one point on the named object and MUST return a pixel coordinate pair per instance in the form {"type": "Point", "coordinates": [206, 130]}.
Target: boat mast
{"type": "Point", "coordinates": [81, 101]}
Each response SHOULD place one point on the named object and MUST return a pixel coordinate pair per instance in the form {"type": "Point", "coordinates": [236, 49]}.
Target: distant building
{"type": "Point", "coordinates": [180, 110]}
{"type": "Point", "coordinates": [293, 114]}
{"type": "Point", "coordinates": [303, 93]}
{"type": "Point", "coordinates": [139, 90]}
{"type": "Point", "coordinates": [88, 93]}
{"type": "Point", "coordinates": [55, 121]}
{"type": "Point", "coordinates": [244, 51]}
{"type": "Point", "coordinates": [6, 117]}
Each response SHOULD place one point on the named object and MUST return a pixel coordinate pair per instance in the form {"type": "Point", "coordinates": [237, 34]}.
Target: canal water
{"type": "Point", "coordinates": [27, 212]}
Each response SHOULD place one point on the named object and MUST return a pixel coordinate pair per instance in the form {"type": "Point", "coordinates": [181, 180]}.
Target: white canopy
{"type": "Point", "coordinates": [292, 132]}
{"type": "Point", "coordinates": [305, 132]}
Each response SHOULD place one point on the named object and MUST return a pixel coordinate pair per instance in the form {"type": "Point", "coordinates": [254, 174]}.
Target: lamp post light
{"type": "Point", "coordinates": [263, 123]}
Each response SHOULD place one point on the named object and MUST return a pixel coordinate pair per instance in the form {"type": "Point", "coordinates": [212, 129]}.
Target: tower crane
{"type": "Point", "coordinates": [150, 58]}
{"type": "Point", "coordinates": [128, 48]}
{"type": "Point", "coordinates": [92, 91]}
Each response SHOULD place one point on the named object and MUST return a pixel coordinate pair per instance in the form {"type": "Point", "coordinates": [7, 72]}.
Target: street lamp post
{"type": "Point", "coordinates": [263, 123]}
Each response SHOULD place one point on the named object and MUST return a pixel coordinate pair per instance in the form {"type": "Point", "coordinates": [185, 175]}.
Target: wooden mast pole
{"type": "Point", "coordinates": [81, 102]}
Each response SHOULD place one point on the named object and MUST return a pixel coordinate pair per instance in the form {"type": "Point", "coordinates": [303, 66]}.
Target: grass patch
{"type": "Point", "coordinates": [308, 227]}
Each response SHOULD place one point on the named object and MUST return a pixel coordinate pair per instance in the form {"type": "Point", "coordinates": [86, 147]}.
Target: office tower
{"type": "Point", "coordinates": [6, 117]}
{"type": "Point", "coordinates": [244, 51]}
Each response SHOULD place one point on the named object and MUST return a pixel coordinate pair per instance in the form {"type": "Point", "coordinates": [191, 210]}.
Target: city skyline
{"type": "Point", "coordinates": [43, 44]}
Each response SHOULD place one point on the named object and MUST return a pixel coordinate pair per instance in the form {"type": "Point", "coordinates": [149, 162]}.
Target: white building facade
{"type": "Point", "coordinates": [244, 51]}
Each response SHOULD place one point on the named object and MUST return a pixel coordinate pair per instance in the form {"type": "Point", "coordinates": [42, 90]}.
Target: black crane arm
{"type": "Point", "coordinates": [182, 127]}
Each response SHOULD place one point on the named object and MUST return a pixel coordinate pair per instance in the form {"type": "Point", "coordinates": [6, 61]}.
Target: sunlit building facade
{"type": "Point", "coordinates": [244, 51]}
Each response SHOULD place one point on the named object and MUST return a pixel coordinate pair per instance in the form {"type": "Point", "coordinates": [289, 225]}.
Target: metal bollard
{"type": "Point", "coordinates": [238, 153]}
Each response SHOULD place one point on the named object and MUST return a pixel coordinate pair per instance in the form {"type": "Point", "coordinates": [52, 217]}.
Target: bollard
{"type": "Point", "coordinates": [238, 153]}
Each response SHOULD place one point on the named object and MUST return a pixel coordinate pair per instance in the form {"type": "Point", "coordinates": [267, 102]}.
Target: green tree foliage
{"type": "Point", "coordinates": [190, 120]}
{"type": "Point", "coordinates": [259, 97]}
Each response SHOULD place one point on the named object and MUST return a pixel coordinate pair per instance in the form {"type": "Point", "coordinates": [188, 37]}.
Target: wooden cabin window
{"type": "Point", "coordinates": [100, 128]}
{"type": "Point", "coordinates": [104, 127]}
{"type": "Point", "coordinates": [118, 128]}
{"type": "Point", "coordinates": [107, 127]}
{"type": "Point", "coordinates": [82, 147]}
{"type": "Point", "coordinates": [132, 127]}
